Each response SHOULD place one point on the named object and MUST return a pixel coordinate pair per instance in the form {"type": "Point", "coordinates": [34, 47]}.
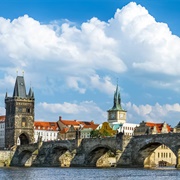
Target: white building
{"type": "Point", "coordinates": [126, 128]}
{"type": "Point", "coordinates": [47, 131]}
{"type": "Point", "coordinates": [2, 131]}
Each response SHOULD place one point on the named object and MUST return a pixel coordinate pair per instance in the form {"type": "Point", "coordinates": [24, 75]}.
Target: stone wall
{"type": "Point", "coordinates": [5, 158]}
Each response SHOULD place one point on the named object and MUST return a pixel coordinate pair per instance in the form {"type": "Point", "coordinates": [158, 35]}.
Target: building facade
{"type": "Point", "coordinates": [46, 131]}
{"type": "Point", "coordinates": [126, 128]}
{"type": "Point", "coordinates": [177, 128]}
{"type": "Point", "coordinates": [19, 122]}
{"type": "Point", "coordinates": [86, 129]}
{"type": "Point", "coordinates": [161, 157]}
{"type": "Point", "coordinates": [2, 132]}
{"type": "Point", "coordinates": [146, 128]}
{"type": "Point", "coordinates": [71, 129]}
{"type": "Point", "coordinates": [117, 113]}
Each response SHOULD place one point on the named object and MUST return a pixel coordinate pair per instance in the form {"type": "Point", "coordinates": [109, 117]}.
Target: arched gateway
{"type": "Point", "coordinates": [23, 139]}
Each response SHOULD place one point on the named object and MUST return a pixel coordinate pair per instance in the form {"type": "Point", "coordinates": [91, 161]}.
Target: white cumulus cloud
{"type": "Point", "coordinates": [154, 113]}
{"type": "Point", "coordinates": [132, 42]}
{"type": "Point", "coordinates": [131, 45]}
{"type": "Point", "coordinates": [86, 110]}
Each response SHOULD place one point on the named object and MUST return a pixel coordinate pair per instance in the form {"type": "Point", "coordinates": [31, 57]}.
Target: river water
{"type": "Point", "coordinates": [14, 173]}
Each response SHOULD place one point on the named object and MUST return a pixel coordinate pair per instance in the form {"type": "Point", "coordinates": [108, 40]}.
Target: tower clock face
{"type": "Point", "coordinates": [121, 115]}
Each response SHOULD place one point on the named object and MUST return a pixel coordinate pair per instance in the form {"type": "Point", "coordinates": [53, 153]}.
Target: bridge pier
{"type": "Point", "coordinates": [178, 160]}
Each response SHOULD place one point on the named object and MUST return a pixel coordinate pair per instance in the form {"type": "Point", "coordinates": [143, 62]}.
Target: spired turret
{"type": "Point", "coordinates": [117, 113]}
{"type": "Point", "coordinates": [6, 95]}
{"type": "Point", "coordinates": [19, 123]}
{"type": "Point", "coordinates": [117, 100]}
{"type": "Point", "coordinates": [31, 93]}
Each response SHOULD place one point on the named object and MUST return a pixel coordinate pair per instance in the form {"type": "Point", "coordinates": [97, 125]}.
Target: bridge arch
{"type": "Point", "coordinates": [24, 155]}
{"type": "Point", "coordinates": [147, 149]}
{"type": "Point", "coordinates": [54, 157]}
{"type": "Point", "coordinates": [25, 158]}
{"type": "Point", "coordinates": [95, 153]}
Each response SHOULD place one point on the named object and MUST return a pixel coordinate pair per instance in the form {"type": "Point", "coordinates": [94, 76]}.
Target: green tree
{"type": "Point", "coordinates": [95, 133]}
{"type": "Point", "coordinates": [105, 134]}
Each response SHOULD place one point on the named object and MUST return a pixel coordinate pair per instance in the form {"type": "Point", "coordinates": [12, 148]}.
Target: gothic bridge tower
{"type": "Point", "coordinates": [19, 122]}
{"type": "Point", "coordinates": [117, 113]}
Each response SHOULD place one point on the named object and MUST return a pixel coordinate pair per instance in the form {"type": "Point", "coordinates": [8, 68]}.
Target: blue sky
{"type": "Point", "coordinates": [73, 51]}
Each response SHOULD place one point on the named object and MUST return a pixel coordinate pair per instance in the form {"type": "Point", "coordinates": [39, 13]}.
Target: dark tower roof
{"type": "Point", "coordinates": [30, 94]}
{"type": "Point", "coordinates": [178, 125]}
{"type": "Point", "coordinates": [117, 100]}
{"type": "Point", "coordinates": [20, 88]}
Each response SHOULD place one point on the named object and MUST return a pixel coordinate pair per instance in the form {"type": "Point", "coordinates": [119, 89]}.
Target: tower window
{"type": "Point", "coordinates": [20, 109]}
{"type": "Point", "coordinates": [23, 123]}
{"type": "Point", "coordinates": [28, 110]}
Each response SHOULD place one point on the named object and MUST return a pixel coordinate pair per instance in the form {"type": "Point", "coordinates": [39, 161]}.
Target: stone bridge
{"type": "Point", "coordinates": [140, 147]}
{"type": "Point", "coordinates": [42, 153]}
{"type": "Point", "coordinates": [128, 152]}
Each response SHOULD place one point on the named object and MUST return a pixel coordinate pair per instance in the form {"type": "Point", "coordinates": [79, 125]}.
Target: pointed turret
{"type": "Point", "coordinates": [6, 95]}
{"type": "Point", "coordinates": [20, 88]}
{"type": "Point", "coordinates": [117, 100]}
{"type": "Point", "coordinates": [31, 93]}
{"type": "Point", "coordinates": [117, 113]}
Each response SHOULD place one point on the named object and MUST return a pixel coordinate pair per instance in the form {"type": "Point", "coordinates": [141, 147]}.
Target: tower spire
{"type": "Point", "coordinates": [20, 88]}
{"type": "Point", "coordinates": [117, 99]}
{"type": "Point", "coordinates": [117, 113]}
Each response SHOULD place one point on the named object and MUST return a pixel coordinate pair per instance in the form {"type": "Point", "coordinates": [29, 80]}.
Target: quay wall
{"type": "Point", "coordinates": [5, 157]}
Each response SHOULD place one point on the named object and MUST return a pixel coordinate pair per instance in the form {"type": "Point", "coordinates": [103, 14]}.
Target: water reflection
{"type": "Point", "coordinates": [86, 174]}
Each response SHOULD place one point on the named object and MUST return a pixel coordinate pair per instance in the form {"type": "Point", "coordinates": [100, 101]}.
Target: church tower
{"type": "Point", "coordinates": [116, 113]}
{"type": "Point", "coordinates": [19, 122]}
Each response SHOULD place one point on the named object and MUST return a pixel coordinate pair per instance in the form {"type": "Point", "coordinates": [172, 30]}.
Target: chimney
{"type": "Point", "coordinates": [60, 118]}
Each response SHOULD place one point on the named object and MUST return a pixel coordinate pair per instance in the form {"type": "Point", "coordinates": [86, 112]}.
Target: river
{"type": "Point", "coordinates": [14, 173]}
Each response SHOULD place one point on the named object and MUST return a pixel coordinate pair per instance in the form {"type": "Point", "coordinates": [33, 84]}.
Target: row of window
{"type": "Point", "coordinates": [2, 125]}
{"type": "Point", "coordinates": [164, 155]}
{"type": "Point", "coordinates": [2, 133]}
{"type": "Point", "coordinates": [128, 128]}
{"type": "Point", "coordinates": [85, 135]}
{"type": "Point", "coordinates": [24, 110]}
{"type": "Point", "coordinates": [129, 134]}
{"type": "Point", "coordinates": [44, 128]}
{"type": "Point", "coordinates": [164, 147]}
{"type": "Point", "coordinates": [46, 133]}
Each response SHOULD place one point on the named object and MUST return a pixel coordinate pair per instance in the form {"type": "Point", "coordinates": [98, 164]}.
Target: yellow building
{"type": "Point", "coordinates": [161, 157]}
{"type": "Point", "coordinates": [107, 130]}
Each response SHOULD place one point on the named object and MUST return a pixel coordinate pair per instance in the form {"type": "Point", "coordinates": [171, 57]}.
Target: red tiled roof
{"type": "Point", "coordinates": [64, 130]}
{"type": "Point", "coordinates": [92, 126]}
{"type": "Point", "coordinates": [158, 126]}
{"type": "Point", "coordinates": [41, 125]}
{"type": "Point", "coordinates": [2, 119]}
{"type": "Point", "coordinates": [70, 122]}
{"type": "Point", "coordinates": [85, 124]}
